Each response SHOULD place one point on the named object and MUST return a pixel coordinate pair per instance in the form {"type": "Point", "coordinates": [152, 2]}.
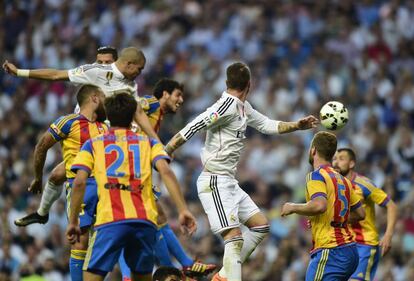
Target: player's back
{"type": "Point", "coordinates": [73, 130]}
{"type": "Point", "coordinates": [365, 230]}
{"type": "Point", "coordinates": [330, 229]}
{"type": "Point", "coordinates": [107, 77]}
{"type": "Point", "coordinates": [122, 168]}
{"type": "Point", "coordinates": [152, 109]}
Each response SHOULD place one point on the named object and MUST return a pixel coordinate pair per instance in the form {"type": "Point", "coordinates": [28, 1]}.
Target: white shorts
{"type": "Point", "coordinates": [225, 203]}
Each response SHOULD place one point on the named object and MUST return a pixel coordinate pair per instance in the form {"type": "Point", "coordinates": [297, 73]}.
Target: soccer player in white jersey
{"type": "Point", "coordinates": [225, 203]}
{"type": "Point", "coordinates": [111, 78]}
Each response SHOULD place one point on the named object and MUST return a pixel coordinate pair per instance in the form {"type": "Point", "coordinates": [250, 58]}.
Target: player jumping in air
{"type": "Point", "coordinates": [166, 99]}
{"type": "Point", "coordinates": [225, 203]}
{"type": "Point", "coordinates": [126, 214]}
{"type": "Point", "coordinates": [53, 187]}
{"type": "Point", "coordinates": [330, 199]}
{"type": "Point", "coordinates": [366, 234]}
{"type": "Point", "coordinates": [72, 131]}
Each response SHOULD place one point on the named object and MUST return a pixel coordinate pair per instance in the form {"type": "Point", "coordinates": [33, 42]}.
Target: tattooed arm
{"type": "Point", "coordinates": [174, 143]}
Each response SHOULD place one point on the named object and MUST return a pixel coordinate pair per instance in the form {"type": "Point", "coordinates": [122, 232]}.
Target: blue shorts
{"type": "Point", "coordinates": [333, 264]}
{"type": "Point", "coordinates": [136, 240]}
{"type": "Point", "coordinates": [368, 262]}
{"type": "Point", "coordinates": [90, 200]}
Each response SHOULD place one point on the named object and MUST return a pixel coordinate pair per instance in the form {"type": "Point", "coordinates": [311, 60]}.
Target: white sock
{"type": "Point", "coordinates": [252, 238]}
{"type": "Point", "coordinates": [51, 193]}
{"type": "Point", "coordinates": [231, 260]}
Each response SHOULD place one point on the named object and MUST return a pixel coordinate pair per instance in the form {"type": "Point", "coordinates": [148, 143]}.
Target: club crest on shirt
{"type": "Point", "coordinates": [77, 71]}
{"type": "Point", "coordinates": [213, 117]}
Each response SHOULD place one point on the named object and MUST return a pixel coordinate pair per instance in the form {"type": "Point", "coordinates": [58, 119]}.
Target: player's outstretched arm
{"type": "Point", "coordinates": [185, 218]}
{"type": "Point", "coordinates": [392, 213]}
{"type": "Point", "coordinates": [314, 207]}
{"type": "Point", "coordinates": [77, 193]}
{"type": "Point", "coordinates": [142, 120]}
{"type": "Point", "coordinates": [305, 123]}
{"type": "Point", "coordinates": [42, 74]}
{"type": "Point", "coordinates": [40, 152]}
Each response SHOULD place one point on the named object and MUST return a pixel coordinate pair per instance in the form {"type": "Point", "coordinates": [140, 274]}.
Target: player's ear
{"type": "Point", "coordinates": [165, 94]}
{"type": "Point", "coordinates": [351, 164]}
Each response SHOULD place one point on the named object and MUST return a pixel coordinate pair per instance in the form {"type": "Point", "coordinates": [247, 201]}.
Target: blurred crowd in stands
{"type": "Point", "coordinates": [301, 54]}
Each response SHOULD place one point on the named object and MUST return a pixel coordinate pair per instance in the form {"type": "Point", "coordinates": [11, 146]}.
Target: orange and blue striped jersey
{"type": "Point", "coordinates": [72, 131]}
{"type": "Point", "coordinates": [365, 230]}
{"type": "Point", "coordinates": [121, 162]}
{"type": "Point", "coordinates": [152, 109]}
{"type": "Point", "coordinates": [331, 229]}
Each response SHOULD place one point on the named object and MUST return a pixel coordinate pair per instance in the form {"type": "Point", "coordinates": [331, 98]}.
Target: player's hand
{"type": "Point", "coordinates": [308, 122]}
{"type": "Point", "coordinates": [188, 222]}
{"type": "Point", "coordinates": [10, 68]}
{"type": "Point", "coordinates": [385, 244]}
{"type": "Point", "coordinates": [35, 186]}
{"type": "Point", "coordinates": [73, 233]}
{"type": "Point", "coordinates": [287, 209]}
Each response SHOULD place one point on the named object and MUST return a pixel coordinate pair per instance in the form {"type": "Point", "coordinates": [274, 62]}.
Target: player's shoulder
{"type": "Point", "coordinates": [97, 67]}
{"type": "Point", "coordinates": [66, 119]}
{"type": "Point", "coordinates": [149, 103]}
{"type": "Point", "coordinates": [316, 175]}
{"type": "Point", "coordinates": [365, 181]}
{"type": "Point", "coordinates": [225, 105]}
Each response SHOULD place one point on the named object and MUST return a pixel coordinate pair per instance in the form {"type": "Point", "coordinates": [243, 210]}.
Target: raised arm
{"type": "Point", "coordinates": [266, 125]}
{"type": "Point", "coordinates": [42, 74]}
{"type": "Point", "coordinates": [40, 152]}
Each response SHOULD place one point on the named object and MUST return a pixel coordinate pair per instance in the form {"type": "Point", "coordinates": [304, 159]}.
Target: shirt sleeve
{"type": "Point", "coordinates": [149, 104]}
{"type": "Point", "coordinates": [157, 152]}
{"type": "Point", "coordinates": [377, 195]}
{"type": "Point", "coordinates": [260, 122]}
{"type": "Point", "coordinates": [218, 114]}
{"type": "Point", "coordinates": [60, 129]}
{"type": "Point", "coordinates": [84, 74]}
{"type": "Point", "coordinates": [315, 185]}
{"type": "Point", "coordinates": [84, 160]}
{"type": "Point", "coordinates": [355, 198]}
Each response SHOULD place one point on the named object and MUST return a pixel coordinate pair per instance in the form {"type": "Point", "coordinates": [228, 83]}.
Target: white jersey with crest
{"type": "Point", "coordinates": [226, 122]}
{"type": "Point", "coordinates": [106, 76]}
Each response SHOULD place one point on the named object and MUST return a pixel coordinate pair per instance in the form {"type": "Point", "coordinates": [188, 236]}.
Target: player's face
{"type": "Point", "coordinates": [341, 162]}
{"type": "Point", "coordinates": [104, 58]}
{"type": "Point", "coordinates": [134, 69]}
{"type": "Point", "coordinates": [174, 100]}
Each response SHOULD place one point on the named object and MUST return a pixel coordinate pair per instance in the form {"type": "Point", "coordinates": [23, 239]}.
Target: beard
{"type": "Point", "coordinates": [100, 113]}
{"type": "Point", "coordinates": [343, 172]}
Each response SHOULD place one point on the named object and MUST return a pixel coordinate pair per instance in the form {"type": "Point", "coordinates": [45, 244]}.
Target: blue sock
{"type": "Point", "coordinates": [161, 250]}
{"type": "Point", "coordinates": [125, 271]}
{"type": "Point", "coordinates": [77, 258]}
{"type": "Point", "coordinates": [175, 247]}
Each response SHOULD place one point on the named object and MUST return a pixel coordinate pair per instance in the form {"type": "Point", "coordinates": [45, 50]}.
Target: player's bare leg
{"type": "Point", "coordinates": [259, 228]}
{"type": "Point", "coordinates": [51, 193]}
{"type": "Point", "coordinates": [78, 254]}
{"type": "Point", "coordinates": [89, 276]}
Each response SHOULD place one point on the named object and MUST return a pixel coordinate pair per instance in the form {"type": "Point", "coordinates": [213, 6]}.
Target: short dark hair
{"type": "Point", "coordinates": [350, 152]}
{"type": "Point", "coordinates": [163, 272]}
{"type": "Point", "coordinates": [108, 50]}
{"type": "Point", "coordinates": [325, 144]}
{"type": "Point", "coordinates": [120, 109]}
{"type": "Point", "coordinates": [84, 92]}
{"type": "Point", "coordinates": [166, 84]}
{"type": "Point", "coordinates": [238, 76]}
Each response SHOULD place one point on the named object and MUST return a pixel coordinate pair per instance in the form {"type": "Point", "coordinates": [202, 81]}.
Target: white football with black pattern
{"type": "Point", "coordinates": [333, 115]}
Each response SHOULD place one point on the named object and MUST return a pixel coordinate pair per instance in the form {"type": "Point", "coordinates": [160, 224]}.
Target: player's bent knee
{"type": "Point", "coordinates": [58, 175]}
{"type": "Point", "coordinates": [258, 219]}
{"type": "Point", "coordinates": [231, 233]}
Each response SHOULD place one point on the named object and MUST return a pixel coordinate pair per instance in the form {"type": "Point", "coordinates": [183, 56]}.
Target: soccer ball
{"type": "Point", "coordinates": [333, 115]}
